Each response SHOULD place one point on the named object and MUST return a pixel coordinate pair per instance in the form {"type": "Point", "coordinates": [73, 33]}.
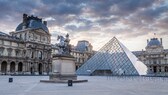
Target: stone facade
{"type": "Point", "coordinates": [82, 52]}
{"type": "Point", "coordinates": [155, 57]}
{"type": "Point", "coordinates": [26, 50]}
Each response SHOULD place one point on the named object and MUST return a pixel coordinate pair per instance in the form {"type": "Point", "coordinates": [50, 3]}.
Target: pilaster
{"type": "Point", "coordinates": [0, 67]}
{"type": "Point", "coordinates": [8, 68]}
{"type": "Point", "coordinates": [16, 67]}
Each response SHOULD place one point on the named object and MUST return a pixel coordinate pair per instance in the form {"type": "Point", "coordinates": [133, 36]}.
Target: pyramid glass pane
{"type": "Point", "coordinates": [114, 59]}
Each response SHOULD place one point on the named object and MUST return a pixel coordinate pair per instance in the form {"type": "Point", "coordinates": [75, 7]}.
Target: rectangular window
{"type": "Point", "coordinates": [0, 42]}
{"type": "Point", "coordinates": [7, 43]}
{"type": "Point", "coordinates": [9, 53]}
{"type": "Point", "coordinates": [32, 54]}
{"type": "Point", "coordinates": [1, 52]}
{"type": "Point", "coordinates": [154, 62]}
{"type": "Point", "coordinates": [159, 61]}
{"type": "Point", "coordinates": [17, 53]}
{"type": "Point", "coordinates": [159, 68]}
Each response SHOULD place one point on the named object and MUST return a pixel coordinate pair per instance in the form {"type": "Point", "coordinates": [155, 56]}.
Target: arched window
{"type": "Point", "coordinates": [4, 67]}
{"type": "Point", "coordinates": [166, 68]}
{"type": "Point", "coordinates": [1, 50]}
{"type": "Point", "coordinates": [40, 54]}
{"type": "Point", "coordinates": [12, 67]}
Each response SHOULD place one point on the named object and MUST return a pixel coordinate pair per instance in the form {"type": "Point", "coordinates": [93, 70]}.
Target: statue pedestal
{"type": "Point", "coordinates": [63, 68]}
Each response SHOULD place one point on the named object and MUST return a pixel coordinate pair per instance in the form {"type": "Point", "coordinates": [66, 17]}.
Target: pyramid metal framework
{"type": "Point", "coordinates": [115, 59]}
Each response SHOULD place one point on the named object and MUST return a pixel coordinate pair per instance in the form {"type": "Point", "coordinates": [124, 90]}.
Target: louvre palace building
{"type": "Point", "coordinates": [155, 57]}
{"type": "Point", "coordinates": [27, 50]}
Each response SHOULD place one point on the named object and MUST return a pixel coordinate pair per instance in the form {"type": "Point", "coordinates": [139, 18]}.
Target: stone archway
{"type": "Point", "coordinates": [40, 68]}
{"type": "Point", "coordinates": [20, 67]}
{"type": "Point", "coordinates": [12, 67]}
{"type": "Point", "coordinates": [4, 67]}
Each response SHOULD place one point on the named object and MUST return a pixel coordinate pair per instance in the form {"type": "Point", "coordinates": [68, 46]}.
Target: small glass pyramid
{"type": "Point", "coordinates": [113, 59]}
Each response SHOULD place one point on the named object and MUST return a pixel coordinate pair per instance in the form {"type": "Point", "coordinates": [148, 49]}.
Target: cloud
{"type": "Point", "coordinates": [101, 18]}
{"type": "Point", "coordinates": [80, 25]}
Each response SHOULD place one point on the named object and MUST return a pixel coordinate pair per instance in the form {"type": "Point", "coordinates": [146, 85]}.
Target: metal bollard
{"type": "Point", "coordinates": [10, 80]}
{"type": "Point", "coordinates": [70, 82]}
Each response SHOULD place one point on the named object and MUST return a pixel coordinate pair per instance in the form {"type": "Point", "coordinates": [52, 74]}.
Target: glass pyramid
{"type": "Point", "coordinates": [114, 59]}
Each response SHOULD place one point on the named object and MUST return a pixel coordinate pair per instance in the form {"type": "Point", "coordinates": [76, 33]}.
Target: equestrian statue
{"type": "Point", "coordinates": [64, 46]}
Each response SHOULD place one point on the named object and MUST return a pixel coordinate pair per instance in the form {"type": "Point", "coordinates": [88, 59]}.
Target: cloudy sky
{"type": "Point", "coordinates": [131, 21]}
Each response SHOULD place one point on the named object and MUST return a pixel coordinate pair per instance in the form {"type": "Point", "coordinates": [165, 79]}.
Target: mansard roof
{"type": "Point", "coordinates": [32, 23]}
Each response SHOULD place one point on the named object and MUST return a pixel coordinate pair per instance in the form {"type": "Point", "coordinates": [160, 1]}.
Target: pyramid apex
{"type": "Point", "coordinates": [114, 37]}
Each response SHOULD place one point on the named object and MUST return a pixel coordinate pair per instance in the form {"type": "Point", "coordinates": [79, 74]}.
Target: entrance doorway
{"type": "Point", "coordinates": [102, 72]}
{"type": "Point", "coordinates": [4, 67]}
{"type": "Point", "coordinates": [20, 67]}
{"type": "Point", "coordinates": [154, 69]}
{"type": "Point", "coordinates": [40, 69]}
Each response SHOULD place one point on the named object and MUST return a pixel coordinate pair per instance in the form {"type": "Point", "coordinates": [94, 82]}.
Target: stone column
{"type": "Point", "coordinates": [26, 65]}
{"type": "Point", "coordinates": [36, 54]}
{"type": "Point", "coordinates": [16, 68]}
{"type": "Point", "coordinates": [0, 67]}
{"type": "Point", "coordinates": [36, 68]}
{"type": "Point", "coordinates": [8, 68]}
{"type": "Point", "coordinates": [34, 65]}
{"type": "Point", "coordinates": [23, 68]}
{"type": "Point", "coordinates": [27, 68]}
{"type": "Point", "coordinates": [162, 69]}
{"type": "Point", "coordinates": [27, 36]}
{"type": "Point", "coordinates": [44, 69]}
{"type": "Point", "coordinates": [158, 68]}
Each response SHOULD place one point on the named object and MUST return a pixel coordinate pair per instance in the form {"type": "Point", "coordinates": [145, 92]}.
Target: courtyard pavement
{"type": "Point", "coordinates": [96, 85]}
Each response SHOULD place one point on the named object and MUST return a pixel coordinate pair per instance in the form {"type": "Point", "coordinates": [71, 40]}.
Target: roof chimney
{"type": "Point", "coordinates": [24, 21]}
{"type": "Point", "coordinates": [24, 17]}
{"type": "Point", "coordinates": [45, 23]}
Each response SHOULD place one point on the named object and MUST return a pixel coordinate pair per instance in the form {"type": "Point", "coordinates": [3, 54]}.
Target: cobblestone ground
{"type": "Point", "coordinates": [96, 85]}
